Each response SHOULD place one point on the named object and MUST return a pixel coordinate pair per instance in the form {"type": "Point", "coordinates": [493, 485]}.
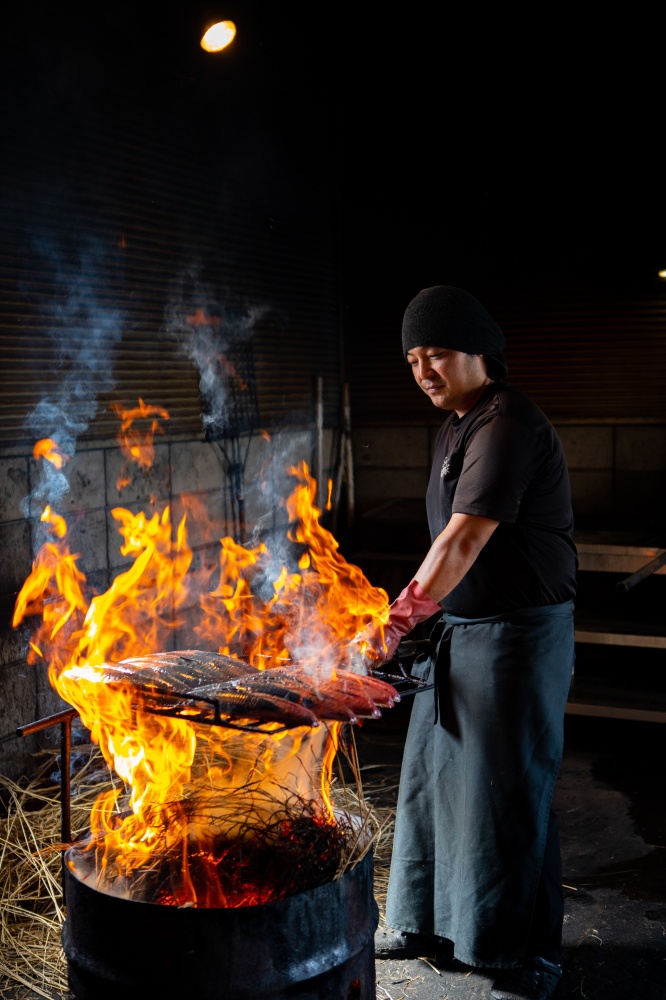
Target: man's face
{"type": "Point", "coordinates": [453, 380]}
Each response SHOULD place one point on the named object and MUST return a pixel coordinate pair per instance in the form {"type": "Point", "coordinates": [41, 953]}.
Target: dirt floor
{"type": "Point", "coordinates": [612, 813]}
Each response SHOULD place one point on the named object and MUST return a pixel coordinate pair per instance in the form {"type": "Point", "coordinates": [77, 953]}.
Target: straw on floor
{"type": "Point", "coordinates": [32, 963]}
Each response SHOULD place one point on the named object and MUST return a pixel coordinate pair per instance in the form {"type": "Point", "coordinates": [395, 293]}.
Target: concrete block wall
{"type": "Point", "coordinates": [617, 471]}
{"type": "Point", "coordinates": [391, 462]}
{"type": "Point", "coordinates": [618, 478]}
{"type": "Point", "coordinates": [618, 474]}
{"type": "Point", "coordinates": [188, 475]}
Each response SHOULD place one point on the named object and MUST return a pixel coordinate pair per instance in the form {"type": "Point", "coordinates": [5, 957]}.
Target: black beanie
{"type": "Point", "coordinates": [444, 316]}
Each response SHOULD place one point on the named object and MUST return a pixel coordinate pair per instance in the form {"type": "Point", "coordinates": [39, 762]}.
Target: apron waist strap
{"type": "Point", "coordinates": [517, 615]}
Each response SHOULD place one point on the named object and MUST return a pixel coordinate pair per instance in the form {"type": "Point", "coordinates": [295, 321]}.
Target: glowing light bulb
{"type": "Point", "coordinates": [218, 36]}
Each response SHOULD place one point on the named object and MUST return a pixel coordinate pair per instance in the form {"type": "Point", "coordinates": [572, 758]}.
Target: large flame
{"type": "Point", "coordinates": [183, 779]}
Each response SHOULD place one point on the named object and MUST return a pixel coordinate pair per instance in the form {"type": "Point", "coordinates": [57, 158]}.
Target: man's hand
{"type": "Point", "coordinates": [368, 649]}
{"type": "Point", "coordinates": [376, 643]}
{"type": "Point", "coordinates": [448, 559]}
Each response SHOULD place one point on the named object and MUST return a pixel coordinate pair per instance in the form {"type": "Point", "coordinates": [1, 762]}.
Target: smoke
{"type": "Point", "coordinates": [215, 332]}
{"type": "Point", "coordinates": [84, 329]}
{"type": "Point", "coordinates": [216, 335]}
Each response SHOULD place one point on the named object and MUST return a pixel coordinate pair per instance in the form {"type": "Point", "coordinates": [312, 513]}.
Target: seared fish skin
{"type": "Point", "coordinates": [170, 683]}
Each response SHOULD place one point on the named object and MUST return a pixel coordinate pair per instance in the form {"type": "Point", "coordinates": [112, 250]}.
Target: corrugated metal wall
{"type": "Point", "coordinates": [581, 358]}
{"type": "Point", "coordinates": [124, 211]}
{"type": "Point", "coordinates": [566, 260]}
{"type": "Point", "coordinates": [591, 360]}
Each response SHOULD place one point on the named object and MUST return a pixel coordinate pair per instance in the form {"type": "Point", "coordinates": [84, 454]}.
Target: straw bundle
{"type": "Point", "coordinates": [31, 911]}
{"type": "Point", "coordinates": [381, 791]}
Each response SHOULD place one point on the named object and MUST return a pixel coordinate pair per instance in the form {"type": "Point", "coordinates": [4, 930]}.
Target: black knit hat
{"type": "Point", "coordinates": [444, 316]}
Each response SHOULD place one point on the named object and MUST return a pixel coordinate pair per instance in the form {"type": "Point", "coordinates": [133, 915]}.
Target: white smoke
{"type": "Point", "coordinates": [215, 334]}
{"type": "Point", "coordinates": [84, 330]}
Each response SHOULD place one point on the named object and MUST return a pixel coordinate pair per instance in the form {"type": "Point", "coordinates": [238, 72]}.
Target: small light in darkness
{"type": "Point", "coordinates": [218, 36]}
{"type": "Point", "coordinates": [662, 273]}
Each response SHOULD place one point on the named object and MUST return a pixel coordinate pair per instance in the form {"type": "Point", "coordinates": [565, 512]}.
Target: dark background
{"type": "Point", "coordinates": [516, 156]}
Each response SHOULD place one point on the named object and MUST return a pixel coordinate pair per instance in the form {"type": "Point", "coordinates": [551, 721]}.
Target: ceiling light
{"type": "Point", "coordinates": [217, 36]}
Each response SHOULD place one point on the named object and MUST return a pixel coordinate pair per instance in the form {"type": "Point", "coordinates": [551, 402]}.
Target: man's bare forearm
{"type": "Point", "coordinates": [452, 553]}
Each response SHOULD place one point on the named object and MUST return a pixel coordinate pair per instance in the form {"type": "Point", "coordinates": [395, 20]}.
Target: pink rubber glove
{"type": "Point", "coordinates": [410, 607]}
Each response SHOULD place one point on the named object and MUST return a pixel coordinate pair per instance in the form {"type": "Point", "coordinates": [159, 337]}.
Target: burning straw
{"type": "Point", "coordinates": [32, 962]}
{"type": "Point", "coordinates": [237, 846]}
{"type": "Point", "coordinates": [189, 781]}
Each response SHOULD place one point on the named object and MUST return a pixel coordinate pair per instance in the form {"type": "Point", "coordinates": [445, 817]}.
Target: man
{"type": "Point", "coordinates": [476, 862]}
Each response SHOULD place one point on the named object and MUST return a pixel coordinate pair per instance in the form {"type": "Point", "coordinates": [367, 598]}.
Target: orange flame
{"type": "Point", "coordinates": [201, 318]}
{"type": "Point", "coordinates": [177, 771]}
{"type": "Point", "coordinates": [311, 615]}
{"type": "Point", "coordinates": [49, 450]}
{"type": "Point", "coordinates": [53, 588]}
{"type": "Point", "coordinates": [57, 523]}
{"type": "Point", "coordinates": [138, 445]}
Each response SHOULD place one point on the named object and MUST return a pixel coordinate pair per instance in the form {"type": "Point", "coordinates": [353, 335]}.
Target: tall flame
{"type": "Point", "coordinates": [177, 770]}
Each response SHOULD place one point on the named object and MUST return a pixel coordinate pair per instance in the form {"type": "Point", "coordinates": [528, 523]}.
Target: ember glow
{"type": "Point", "coordinates": [238, 766]}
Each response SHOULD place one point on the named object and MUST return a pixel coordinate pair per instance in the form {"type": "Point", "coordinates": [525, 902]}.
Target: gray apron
{"type": "Point", "coordinates": [479, 768]}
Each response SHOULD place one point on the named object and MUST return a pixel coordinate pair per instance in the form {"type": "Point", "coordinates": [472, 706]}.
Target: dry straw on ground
{"type": "Point", "coordinates": [31, 912]}
{"type": "Point", "coordinates": [380, 793]}
{"type": "Point", "coordinates": [32, 963]}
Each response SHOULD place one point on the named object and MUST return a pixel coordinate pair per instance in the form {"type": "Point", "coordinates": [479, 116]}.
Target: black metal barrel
{"type": "Point", "coordinates": [317, 944]}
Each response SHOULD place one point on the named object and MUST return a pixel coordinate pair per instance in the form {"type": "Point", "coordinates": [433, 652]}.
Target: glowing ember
{"type": "Point", "coordinates": [214, 752]}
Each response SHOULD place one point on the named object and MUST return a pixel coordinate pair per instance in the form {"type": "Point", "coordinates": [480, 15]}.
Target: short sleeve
{"type": "Point", "coordinates": [500, 460]}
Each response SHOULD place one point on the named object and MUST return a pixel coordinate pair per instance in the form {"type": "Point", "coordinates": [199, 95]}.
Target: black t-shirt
{"type": "Point", "coordinates": [504, 460]}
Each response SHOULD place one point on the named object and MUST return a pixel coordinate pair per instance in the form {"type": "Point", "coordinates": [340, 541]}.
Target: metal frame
{"type": "Point", "coordinates": [639, 562]}
{"type": "Point", "coordinates": [64, 720]}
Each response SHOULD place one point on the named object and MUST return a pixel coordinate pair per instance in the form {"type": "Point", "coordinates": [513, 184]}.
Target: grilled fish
{"type": "Point", "coordinates": [196, 683]}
